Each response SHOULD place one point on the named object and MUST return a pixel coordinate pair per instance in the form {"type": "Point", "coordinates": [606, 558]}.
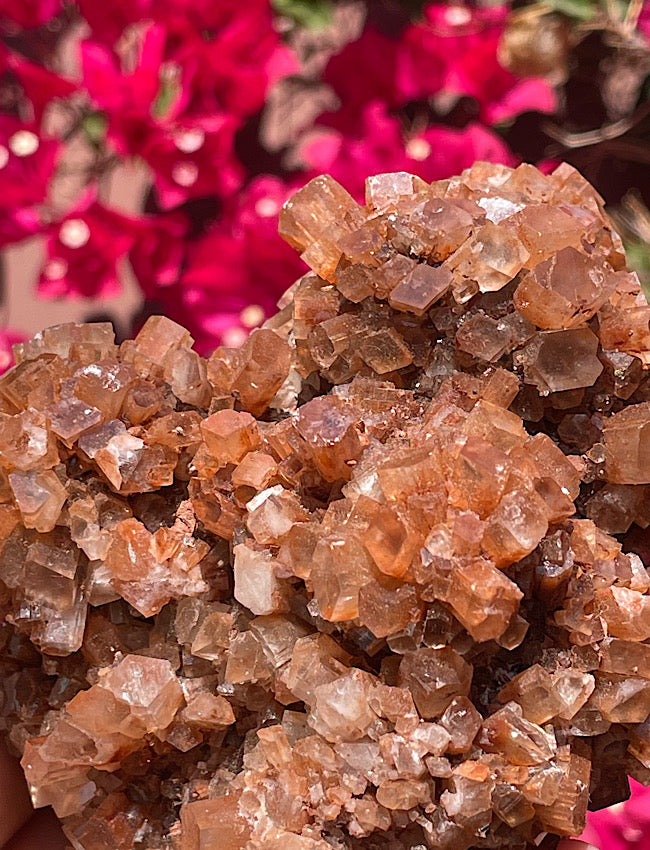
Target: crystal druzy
{"type": "Point", "coordinates": [373, 580]}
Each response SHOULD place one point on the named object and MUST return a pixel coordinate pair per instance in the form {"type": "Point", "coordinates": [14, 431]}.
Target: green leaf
{"type": "Point", "coordinates": [582, 10]}
{"type": "Point", "coordinates": [94, 126]}
{"type": "Point", "coordinates": [312, 14]}
{"type": "Point", "coordinates": [167, 94]}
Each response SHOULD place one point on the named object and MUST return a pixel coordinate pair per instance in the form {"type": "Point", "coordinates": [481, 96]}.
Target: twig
{"type": "Point", "coordinates": [594, 137]}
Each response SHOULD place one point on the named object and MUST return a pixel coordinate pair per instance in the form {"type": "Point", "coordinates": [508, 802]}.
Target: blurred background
{"type": "Point", "coordinates": [147, 146]}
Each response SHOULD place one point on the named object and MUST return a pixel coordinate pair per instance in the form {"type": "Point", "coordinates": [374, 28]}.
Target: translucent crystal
{"type": "Point", "coordinates": [354, 582]}
{"type": "Point", "coordinates": [434, 677]}
{"type": "Point", "coordinates": [627, 445]}
{"type": "Point", "coordinates": [565, 290]}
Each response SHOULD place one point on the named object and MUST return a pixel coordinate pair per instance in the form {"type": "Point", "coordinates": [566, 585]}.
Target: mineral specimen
{"type": "Point", "coordinates": [376, 578]}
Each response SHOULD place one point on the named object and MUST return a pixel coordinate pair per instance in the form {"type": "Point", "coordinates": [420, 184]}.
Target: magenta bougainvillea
{"type": "Point", "coordinates": [625, 826]}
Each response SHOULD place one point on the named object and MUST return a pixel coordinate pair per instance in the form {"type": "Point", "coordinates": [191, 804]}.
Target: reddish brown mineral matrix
{"type": "Point", "coordinates": [373, 580]}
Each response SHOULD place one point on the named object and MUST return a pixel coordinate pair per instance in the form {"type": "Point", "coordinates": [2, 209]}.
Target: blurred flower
{"type": "Point", "coordinates": [193, 159]}
{"type": "Point", "coordinates": [84, 250]}
{"type": "Point", "coordinates": [16, 225]}
{"type": "Point", "coordinates": [40, 85]}
{"type": "Point", "coordinates": [454, 50]}
{"type": "Point", "coordinates": [532, 94]}
{"type": "Point", "coordinates": [364, 71]}
{"type": "Point", "coordinates": [643, 23]}
{"type": "Point", "coordinates": [190, 155]}
{"type": "Point", "coordinates": [209, 15]}
{"type": "Point", "coordinates": [625, 826]}
{"type": "Point", "coordinates": [27, 163]}
{"type": "Point", "coordinates": [29, 13]}
{"type": "Point", "coordinates": [377, 147]}
{"type": "Point", "coordinates": [240, 264]}
{"type": "Point", "coordinates": [130, 98]}
{"type": "Point", "coordinates": [232, 68]}
{"type": "Point", "coordinates": [108, 21]}
{"type": "Point", "coordinates": [444, 151]}
{"type": "Point", "coordinates": [158, 251]}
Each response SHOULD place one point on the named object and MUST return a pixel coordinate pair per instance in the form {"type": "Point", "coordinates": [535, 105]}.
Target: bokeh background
{"type": "Point", "coordinates": [147, 146]}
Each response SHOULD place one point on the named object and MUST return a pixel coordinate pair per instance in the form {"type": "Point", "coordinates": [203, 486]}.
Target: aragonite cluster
{"type": "Point", "coordinates": [373, 580]}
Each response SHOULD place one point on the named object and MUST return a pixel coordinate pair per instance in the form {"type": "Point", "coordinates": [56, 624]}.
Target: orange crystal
{"type": "Point", "coordinates": [376, 578]}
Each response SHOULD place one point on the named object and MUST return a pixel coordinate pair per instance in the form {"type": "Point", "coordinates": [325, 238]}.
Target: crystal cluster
{"type": "Point", "coordinates": [373, 580]}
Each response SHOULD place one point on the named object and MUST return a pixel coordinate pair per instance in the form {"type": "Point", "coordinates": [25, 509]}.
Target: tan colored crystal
{"type": "Point", "coordinates": [627, 445]}
{"type": "Point", "coordinates": [516, 526]}
{"type": "Point", "coordinates": [208, 711]}
{"type": "Point", "coordinates": [71, 417]}
{"type": "Point", "coordinates": [39, 497]}
{"type": "Point", "coordinates": [519, 740]}
{"type": "Point", "coordinates": [556, 361]}
{"type": "Point", "coordinates": [535, 691]}
{"type": "Point", "coordinates": [353, 582]}
{"type": "Point", "coordinates": [483, 599]}
{"type": "Point", "coordinates": [565, 290]}
{"type": "Point", "coordinates": [315, 218]}
{"type": "Point", "coordinates": [332, 436]}
{"type": "Point", "coordinates": [158, 336]}
{"type": "Point", "coordinates": [566, 815]}
{"type": "Point", "coordinates": [420, 289]}
{"type": "Point", "coordinates": [214, 822]}
{"type": "Point", "coordinates": [229, 435]}
{"type": "Point", "coordinates": [256, 582]}
{"type": "Point", "coordinates": [435, 677]}
{"type": "Point", "coordinates": [486, 262]}
{"type": "Point", "coordinates": [104, 385]}
{"type": "Point", "coordinates": [341, 711]}
{"type": "Point", "coordinates": [340, 568]}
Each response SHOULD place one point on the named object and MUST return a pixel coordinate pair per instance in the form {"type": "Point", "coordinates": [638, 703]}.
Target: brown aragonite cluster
{"type": "Point", "coordinates": [373, 580]}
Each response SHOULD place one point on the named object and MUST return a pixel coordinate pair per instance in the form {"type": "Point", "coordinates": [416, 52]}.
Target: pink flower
{"type": "Point", "coordinates": [41, 86]}
{"type": "Point", "coordinates": [232, 68]}
{"type": "Point", "coordinates": [194, 159]}
{"type": "Point", "coordinates": [625, 826]}
{"type": "Point", "coordinates": [28, 13]}
{"type": "Point", "coordinates": [531, 94]}
{"type": "Point", "coordinates": [84, 251]}
{"type": "Point", "coordinates": [235, 274]}
{"type": "Point", "coordinates": [454, 50]}
{"type": "Point", "coordinates": [208, 15]}
{"type": "Point", "coordinates": [158, 251]}
{"type": "Point", "coordinates": [434, 48]}
{"type": "Point", "coordinates": [108, 20]}
{"type": "Point", "coordinates": [129, 98]}
{"type": "Point", "coordinates": [376, 148]}
{"type": "Point", "coordinates": [269, 261]}
{"type": "Point", "coordinates": [191, 155]}
{"type": "Point", "coordinates": [443, 151]}
{"type": "Point", "coordinates": [364, 71]}
{"type": "Point", "coordinates": [16, 225]}
{"type": "Point", "coordinates": [27, 163]}
{"type": "Point", "coordinates": [643, 23]}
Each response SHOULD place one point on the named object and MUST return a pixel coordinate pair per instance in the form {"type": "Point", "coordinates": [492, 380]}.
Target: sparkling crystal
{"type": "Point", "coordinates": [353, 582]}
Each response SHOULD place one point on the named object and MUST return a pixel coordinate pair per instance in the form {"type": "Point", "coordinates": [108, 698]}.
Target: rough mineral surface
{"type": "Point", "coordinates": [375, 579]}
